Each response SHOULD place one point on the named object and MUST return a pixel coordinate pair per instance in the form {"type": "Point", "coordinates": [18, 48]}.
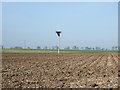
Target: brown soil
{"type": "Point", "coordinates": [60, 71]}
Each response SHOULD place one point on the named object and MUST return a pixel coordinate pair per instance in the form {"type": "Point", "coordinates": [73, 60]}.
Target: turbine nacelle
{"type": "Point", "coordinates": [58, 33]}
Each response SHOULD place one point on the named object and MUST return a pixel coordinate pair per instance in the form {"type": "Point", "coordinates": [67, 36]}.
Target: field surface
{"type": "Point", "coordinates": [65, 70]}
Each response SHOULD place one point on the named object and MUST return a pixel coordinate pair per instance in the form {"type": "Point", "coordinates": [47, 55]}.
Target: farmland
{"type": "Point", "coordinates": [69, 69]}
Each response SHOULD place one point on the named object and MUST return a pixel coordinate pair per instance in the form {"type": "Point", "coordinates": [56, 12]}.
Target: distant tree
{"type": "Point", "coordinates": [45, 47]}
{"type": "Point", "coordinates": [1, 46]}
{"type": "Point", "coordinates": [116, 48]}
{"type": "Point", "coordinates": [98, 48]}
{"type": "Point", "coordinates": [56, 47]}
{"type": "Point", "coordinates": [53, 47]}
{"type": "Point", "coordinates": [38, 47]}
{"type": "Point", "coordinates": [11, 48]}
{"type": "Point", "coordinates": [18, 47]}
{"type": "Point", "coordinates": [86, 48]}
{"type": "Point", "coordinates": [103, 49]}
{"type": "Point", "coordinates": [28, 47]}
{"type": "Point", "coordinates": [113, 48]}
{"type": "Point", "coordinates": [67, 48]}
{"type": "Point", "coordinates": [90, 48]}
{"type": "Point", "coordinates": [75, 48]}
{"type": "Point", "coordinates": [106, 49]}
{"type": "Point", "coordinates": [82, 48]}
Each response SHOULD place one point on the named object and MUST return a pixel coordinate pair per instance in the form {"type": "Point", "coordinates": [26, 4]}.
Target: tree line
{"type": "Point", "coordinates": [66, 48]}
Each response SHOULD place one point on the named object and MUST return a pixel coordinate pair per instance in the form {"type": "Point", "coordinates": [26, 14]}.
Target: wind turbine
{"type": "Point", "coordinates": [58, 32]}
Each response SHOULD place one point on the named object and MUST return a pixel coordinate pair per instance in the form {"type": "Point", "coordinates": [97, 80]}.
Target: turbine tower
{"type": "Point", "coordinates": [58, 32]}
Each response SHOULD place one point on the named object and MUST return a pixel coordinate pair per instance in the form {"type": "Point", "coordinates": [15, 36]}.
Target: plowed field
{"type": "Point", "coordinates": [88, 70]}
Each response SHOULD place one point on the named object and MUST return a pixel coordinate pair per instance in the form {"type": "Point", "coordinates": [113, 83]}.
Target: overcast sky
{"type": "Point", "coordinates": [82, 24]}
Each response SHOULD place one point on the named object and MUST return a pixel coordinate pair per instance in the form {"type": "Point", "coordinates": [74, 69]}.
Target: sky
{"type": "Point", "coordinates": [59, 0]}
{"type": "Point", "coordinates": [82, 24]}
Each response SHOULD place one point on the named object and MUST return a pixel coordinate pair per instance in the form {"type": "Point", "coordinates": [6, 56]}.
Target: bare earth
{"type": "Point", "coordinates": [90, 70]}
